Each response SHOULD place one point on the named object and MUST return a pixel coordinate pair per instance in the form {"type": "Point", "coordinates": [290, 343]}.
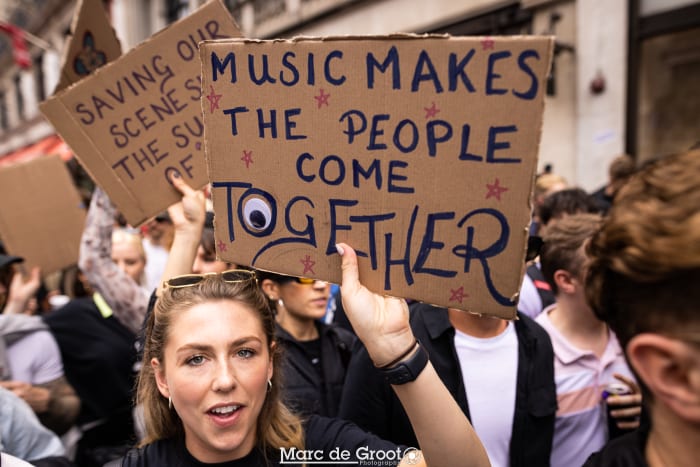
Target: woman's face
{"type": "Point", "coordinates": [129, 259]}
{"type": "Point", "coordinates": [305, 300]}
{"type": "Point", "coordinates": [217, 364]}
{"type": "Point", "coordinates": [206, 262]}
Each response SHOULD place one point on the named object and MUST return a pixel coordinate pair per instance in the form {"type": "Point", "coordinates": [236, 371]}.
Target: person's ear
{"type": "Point", "coordinates": [159, 373]}
{"type": "Point", "coordinates": [671, 370]}
{"type": "Point", "coordinates": [565, 281]}
{"type": "Point", "coordinates": [271, 289]}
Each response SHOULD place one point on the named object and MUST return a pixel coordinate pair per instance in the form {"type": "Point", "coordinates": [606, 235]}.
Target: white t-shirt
{"type": "Point", "coordinates": [156, 258]}
{"type": "Point", "coordinates": [7, 460]}
{"type": "Point", "coordinates": [490, 370]}
{"type": "Point", "coordinates": [530, 302]}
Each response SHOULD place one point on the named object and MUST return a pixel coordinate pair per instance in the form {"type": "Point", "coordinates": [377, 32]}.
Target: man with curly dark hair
{"type": "Point", "coordinates": [644, 280]}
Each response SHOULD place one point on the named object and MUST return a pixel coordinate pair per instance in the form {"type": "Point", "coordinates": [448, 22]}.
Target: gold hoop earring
{"type": "Point", "coordinates": [170, 403]}
{"type": "Point", "coordinates": [269, 385]}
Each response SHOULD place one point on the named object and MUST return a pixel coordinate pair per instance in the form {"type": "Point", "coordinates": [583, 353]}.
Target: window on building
{"type": "Point", "coordinates": [3, 112]}
{"type": "Point", "coordinates": [664, 71]}
{"type": "Point", "coordinates": [19, 96]}
{"type": "Point", "coordinates": [39, 77]}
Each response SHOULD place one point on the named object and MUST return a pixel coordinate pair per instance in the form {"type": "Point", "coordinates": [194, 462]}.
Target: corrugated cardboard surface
{"type": "Point", "coordinates": [41, 213]}
{"type": "Point", "coordinates": [136, 119]}
{"type": "Point", "coordinates": [418, 151]}
{"type": "Point", "coordinates": [92, 44]}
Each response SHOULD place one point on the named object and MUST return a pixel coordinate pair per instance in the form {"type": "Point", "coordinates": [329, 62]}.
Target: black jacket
{"type": "Point", "coordinates": [305, 391]}
{"type": "Point", "coordinates": [371, 403]}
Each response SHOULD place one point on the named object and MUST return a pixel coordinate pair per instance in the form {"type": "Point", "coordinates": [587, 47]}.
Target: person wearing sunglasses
{"type": "Point", "coordinates": [316, 355]}
{"type": "Point", "coordinates": [210, 382]}
{"type": "Point", "coordinates": [643, 281]}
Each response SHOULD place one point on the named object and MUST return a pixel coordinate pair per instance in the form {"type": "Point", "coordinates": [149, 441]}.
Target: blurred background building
{"type": "Point", "coordinates": [624, 78]}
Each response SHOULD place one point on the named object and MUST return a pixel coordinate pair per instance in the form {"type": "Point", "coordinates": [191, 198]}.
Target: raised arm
{"type": "Point", "coordinates": [21, 291]}
{"type": "Point", "coordinates": [381, 322]}
{"type": "Point", "coordinates": [126, 298]}
{"type": "Point", "coordinates": [188, 220]}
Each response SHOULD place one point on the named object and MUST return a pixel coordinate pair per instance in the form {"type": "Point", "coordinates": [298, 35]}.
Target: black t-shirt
{"type": "Point", "coordinates": [624, 451]}
{"type": "Point", "coordinates": [98, 358]}
{"type": "Point", "coordinates": [327, 439]}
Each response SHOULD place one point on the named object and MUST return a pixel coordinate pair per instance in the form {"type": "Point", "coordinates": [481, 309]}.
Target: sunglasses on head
{"type": "Point", "coordinates": [231, 276]}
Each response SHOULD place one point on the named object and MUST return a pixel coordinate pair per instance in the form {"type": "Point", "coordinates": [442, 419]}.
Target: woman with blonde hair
{"type": "Point", "coordinates": [210, 387]}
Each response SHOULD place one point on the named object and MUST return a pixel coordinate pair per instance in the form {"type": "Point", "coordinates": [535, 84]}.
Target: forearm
{"type": "Point", "coordinates": [443, 431]}
{"type": "Point", "coordinates": [63, 406]}
{"type": "Point", "coordinates": [15, 306]}
{"type": "Point", "coordinates": [182, 254]}
{"type": "Point", "coordinates": [125, 296]}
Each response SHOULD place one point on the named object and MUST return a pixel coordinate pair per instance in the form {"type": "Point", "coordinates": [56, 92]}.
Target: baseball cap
{"type": "Point", "coordinates": [6, 260]}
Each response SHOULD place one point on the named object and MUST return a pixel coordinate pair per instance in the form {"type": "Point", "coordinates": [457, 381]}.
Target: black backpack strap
{"type": "Point", "coordinates": [542, 286]}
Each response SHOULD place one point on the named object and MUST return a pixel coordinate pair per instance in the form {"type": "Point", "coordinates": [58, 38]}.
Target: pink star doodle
{"type": "Point", "coordinates": [308, 264]}
{"type": "Point", "coordinates": [247, 158]}
{"type": "Point", "coordinates": [322, 98]}
{"type": "Point", "coordinates": [495, 190]}
{"type": "Point", "coordinates": [221, 245]}
{"type": "Point", "coordinates": [213, 99]}
{"type": "Point", "coordinates": [487, 43]}
{"type": "Point", "coordinates": [458, 294]}
{"type": "Point", "coordinates": [431, 111]}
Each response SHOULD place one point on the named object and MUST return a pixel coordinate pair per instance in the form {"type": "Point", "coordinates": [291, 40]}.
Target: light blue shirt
{"type": "Point", "coordinates": [21, 434]}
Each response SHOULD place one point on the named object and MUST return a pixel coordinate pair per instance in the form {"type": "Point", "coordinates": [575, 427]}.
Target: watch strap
{"type": "Point", "coordinates": [407, 370]}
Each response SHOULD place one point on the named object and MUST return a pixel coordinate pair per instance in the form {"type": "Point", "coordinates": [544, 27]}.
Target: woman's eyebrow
{"type": "Point", "coordinates": [205, 347]}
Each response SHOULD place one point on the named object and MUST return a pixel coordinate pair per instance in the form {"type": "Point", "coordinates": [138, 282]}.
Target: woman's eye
{"type": "Point", "coordinates": [195, 360]}
{"type": "Point", "coordinates": [245, 353]}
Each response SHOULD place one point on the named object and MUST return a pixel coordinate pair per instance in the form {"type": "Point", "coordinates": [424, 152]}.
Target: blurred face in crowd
{"type": "Point", "coordinates": [304, 300]}
{"type": "Point", "coordinates": [160, 230]}
{"type": "Point", "coordinates": [128, 254]}
{"type": "Point", "coordinates": [216, 377]}
{"type": "Point", "coordinates": [206, 261]}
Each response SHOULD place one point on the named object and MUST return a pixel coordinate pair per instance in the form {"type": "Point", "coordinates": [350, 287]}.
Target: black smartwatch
{"type": "Point", "coordinates": [408, 370]}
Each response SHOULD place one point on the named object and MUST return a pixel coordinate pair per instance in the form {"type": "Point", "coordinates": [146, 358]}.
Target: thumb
{"type": "Point", "coordinates": [351, 275]}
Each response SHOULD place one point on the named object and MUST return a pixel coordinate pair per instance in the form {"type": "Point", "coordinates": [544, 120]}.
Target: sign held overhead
{"type": "Point", "coordinates": [138, 118]}
{"type": "Point", "coordinates": [41, 214]}
{"type": "Point", "coordinates": [418, 151]}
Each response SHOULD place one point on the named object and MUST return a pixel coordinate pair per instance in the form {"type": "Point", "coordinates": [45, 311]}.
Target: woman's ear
{"type": "Point", "coordinates": [271, 289]}
{"type": "Point", "coordinates": [159, 373]}
{"type": "Point", "coordinates": [671, 370]}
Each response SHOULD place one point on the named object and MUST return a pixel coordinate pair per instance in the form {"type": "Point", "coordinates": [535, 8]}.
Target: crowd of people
{"type": "Point", "coordinates": [160, 354]}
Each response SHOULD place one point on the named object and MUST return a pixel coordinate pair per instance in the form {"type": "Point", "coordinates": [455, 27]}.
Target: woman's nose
{"type": "Point", "coordinates": [224, 379]}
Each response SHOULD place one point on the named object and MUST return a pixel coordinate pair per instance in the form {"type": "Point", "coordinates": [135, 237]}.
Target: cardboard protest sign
{"type": "Point", "coordinates": [138, 118]}
{"type": "Point", "coordinates": [418, 151]}
{"type": "Point", "coordinates": [92, 43]}
{"type": "Point", "coordinates": [41, 214]}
